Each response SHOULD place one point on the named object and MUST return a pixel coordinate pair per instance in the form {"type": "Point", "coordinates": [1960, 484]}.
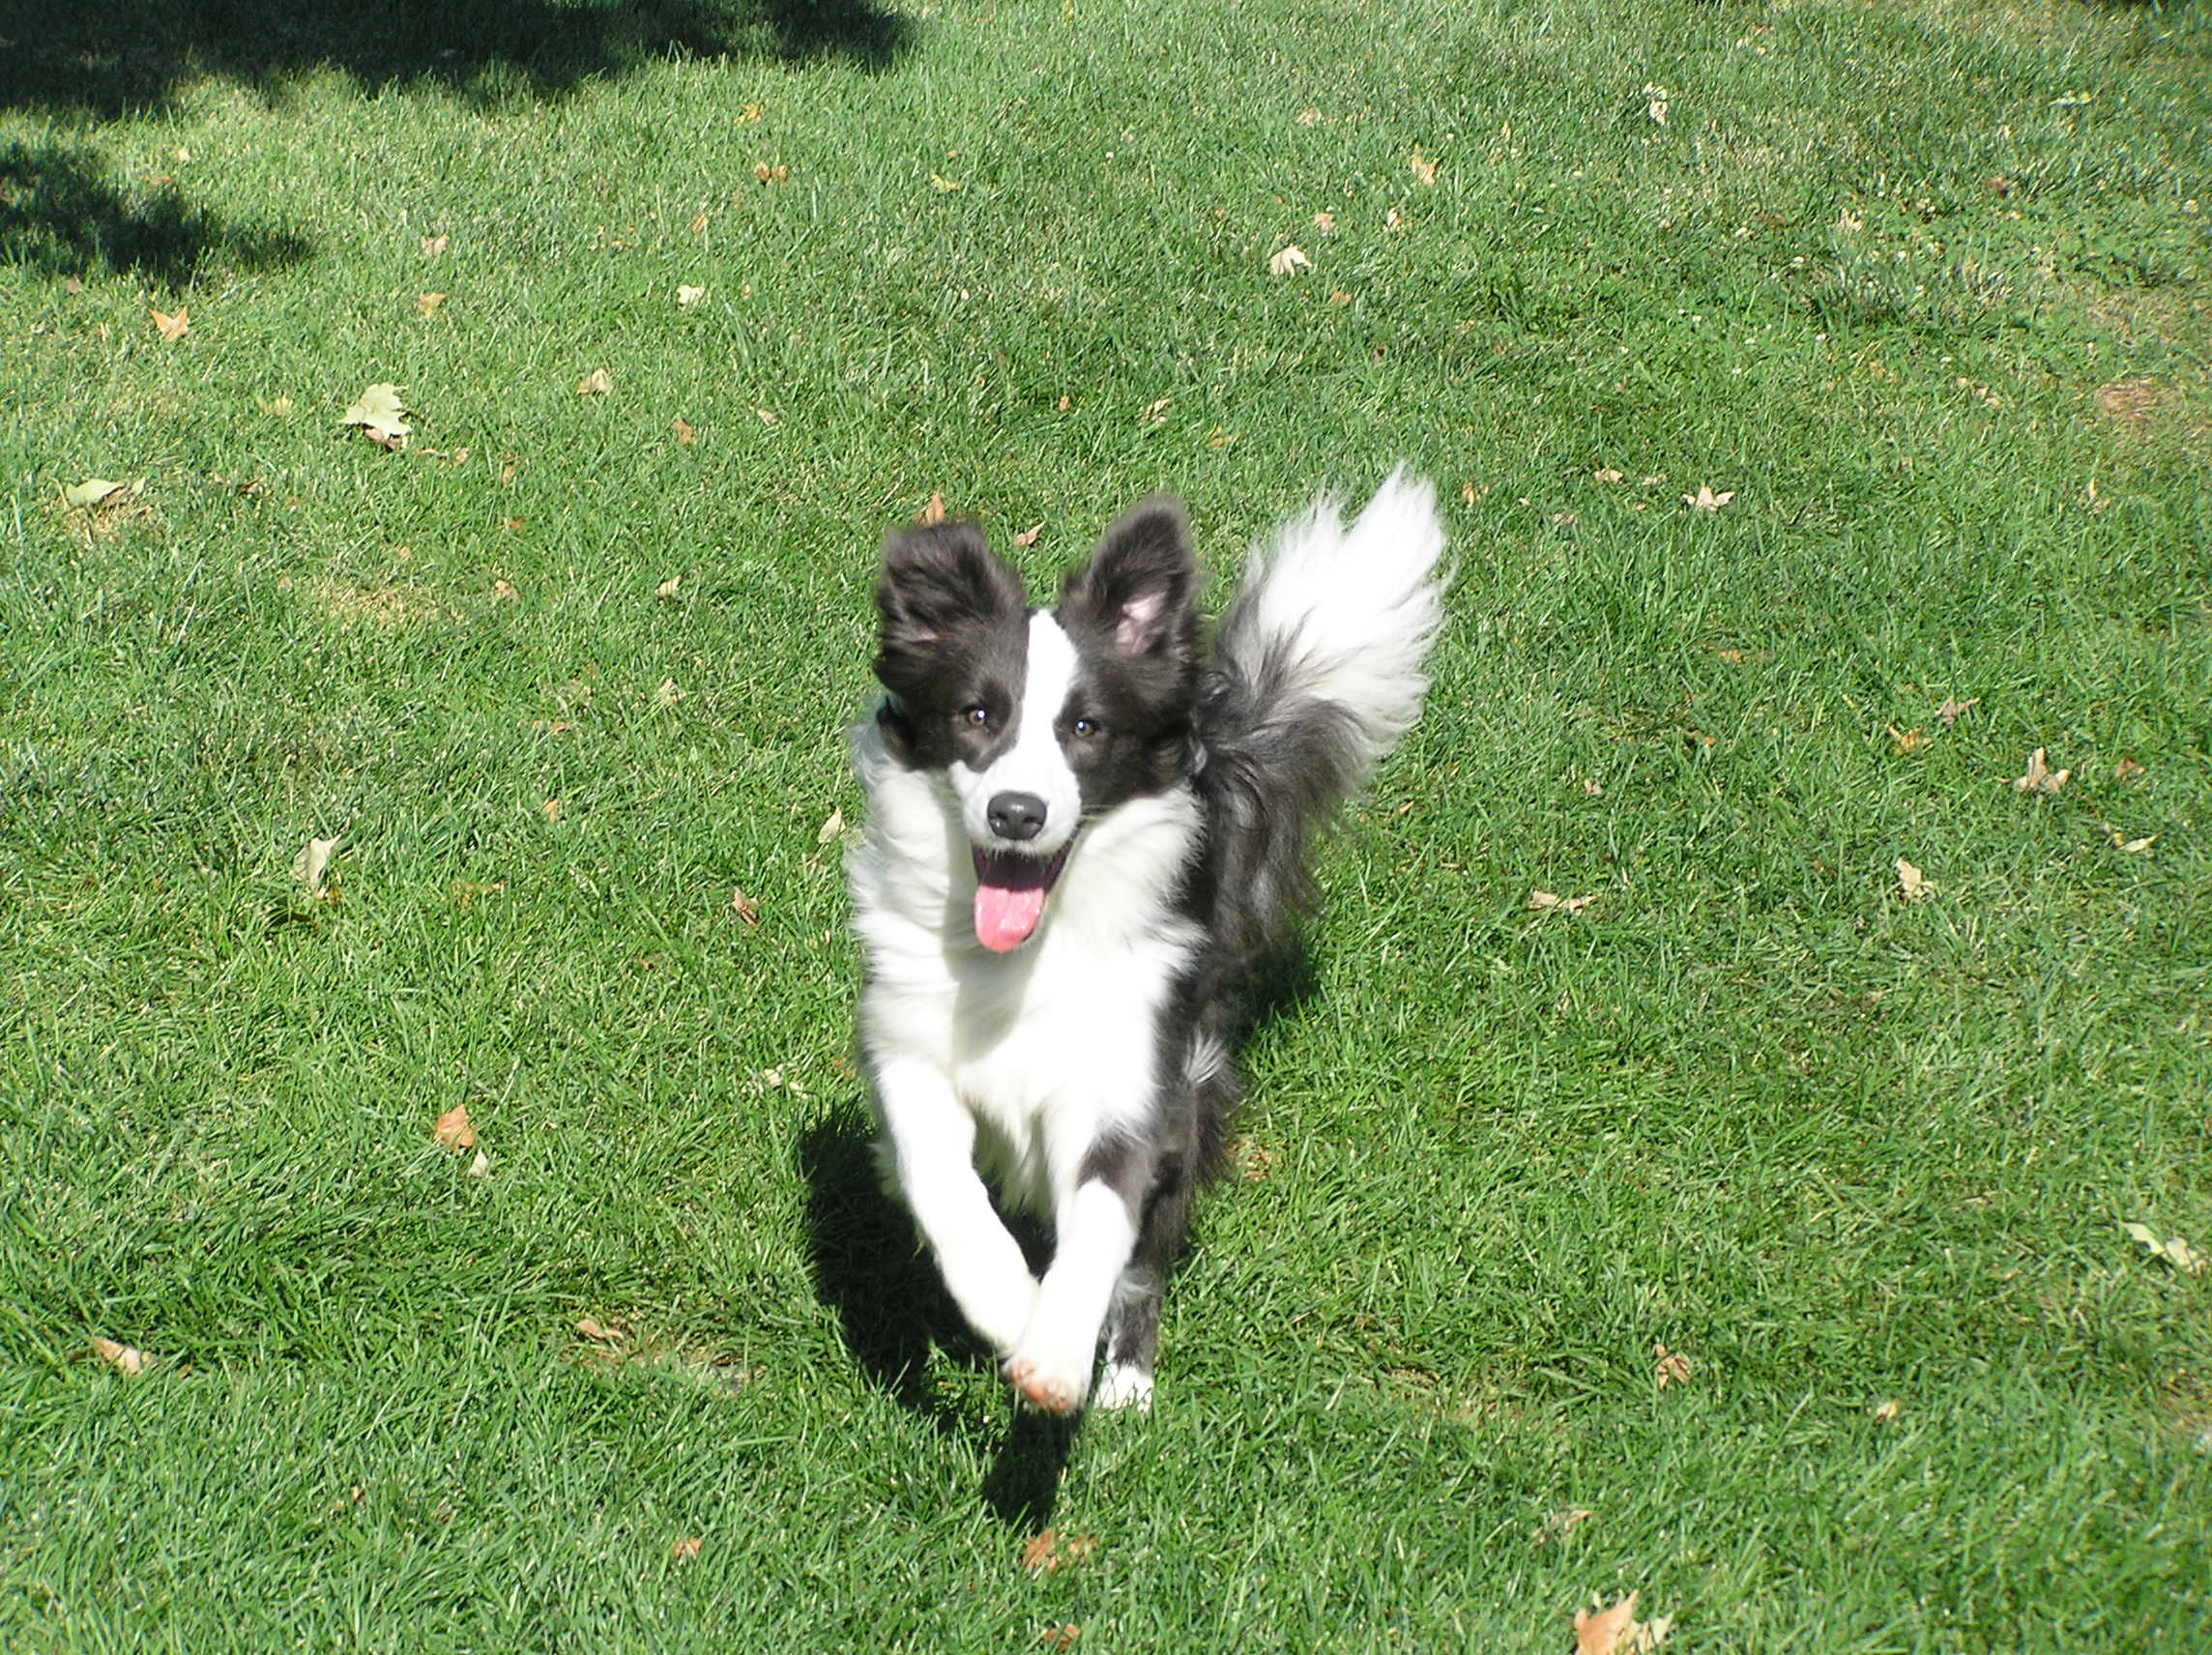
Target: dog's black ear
{"type": "Point", "coordinates": [1140, 588]}
{"type": "Point", "coordinates": [936, 578]}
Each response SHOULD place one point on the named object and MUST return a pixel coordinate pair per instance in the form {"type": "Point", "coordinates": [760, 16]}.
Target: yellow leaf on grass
{"type": "Point", "coordinates": [686, 436]}
{"type": "Point", "coordinates": [94, 492]}
{"type": "Point", "coordinates": [1606, 475]}
{"type": "Point", "coordinates": [381, 416]}
{"type": "Point", "coordinates": [311, 866]}
{"type": "Point", "coordinates": [686, 297]}
{"type": "Point", "coordinates": [668, 587]}
{"type": "Point", "coordinates": [833, 827]}
{"type": "Point", "coordinates": [1915, 883]}
{"type": "Point", "coordinates": [1908, 741]}
{"type": "Point", "coordinates": [597, 383]}
{"type": "Point", "coordinates": [1544, 901]}
{"type": "Point", "coordinates": [744, 908]}
{"type": "Point", "coordinates": [433, 246]}
{"type": "Point", "coordinates": [171, 328]}
{"type": "Point", "coordinates": [454, 1132]}
{"type": "Point", "coordinates": [1671, 1367]}
{"type": "Point", "coordinates": [2173, 1249]}
{"type": "Point", "coordinates": [428, 303]}
{"type": "Point", "coordinates": [1423, 169]}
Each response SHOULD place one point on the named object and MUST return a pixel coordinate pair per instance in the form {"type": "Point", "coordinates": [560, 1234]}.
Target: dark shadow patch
{"type": "Point", "coordinates": [60, 215]}
{"type": "Point", "coordinates": [893, 1313]}
{"type": "Point", "coordinates": [109, 58]}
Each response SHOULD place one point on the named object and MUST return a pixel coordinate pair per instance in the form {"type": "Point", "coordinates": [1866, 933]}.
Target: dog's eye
{"type": "Point", "coordinates": [1086, 727]}
{"type": "Point", "coordinates": [978, 715]}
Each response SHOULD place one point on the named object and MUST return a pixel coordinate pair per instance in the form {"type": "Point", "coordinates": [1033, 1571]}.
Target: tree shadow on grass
{"type": "Point", "coordinates": [109, 58]}
{"type": "Point", "coordinates": [61, 216]}
{"type": "Point", "coordinates": [893, 1312]}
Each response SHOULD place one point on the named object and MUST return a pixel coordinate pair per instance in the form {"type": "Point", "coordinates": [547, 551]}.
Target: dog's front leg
{"type": "Point", "coordinates": [933, 1148]}
{"type": "Point", "coordinates": [1095, 1235]}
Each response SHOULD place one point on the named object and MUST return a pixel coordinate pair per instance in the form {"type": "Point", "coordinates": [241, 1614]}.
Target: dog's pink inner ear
{"type": "Point", "coordinates": [1139, 628]}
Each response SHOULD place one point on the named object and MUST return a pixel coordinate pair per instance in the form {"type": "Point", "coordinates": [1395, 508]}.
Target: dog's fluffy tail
{"type": "Point", "coordinates": [1318, 670]}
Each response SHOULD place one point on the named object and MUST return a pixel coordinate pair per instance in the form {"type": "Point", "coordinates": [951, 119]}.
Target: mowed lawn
{"type": "Point", "coordinates": [1697, 1154]}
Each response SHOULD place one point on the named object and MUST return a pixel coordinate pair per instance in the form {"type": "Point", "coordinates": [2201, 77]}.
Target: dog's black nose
{"type": "Point", "coordinates": [1015, 815]}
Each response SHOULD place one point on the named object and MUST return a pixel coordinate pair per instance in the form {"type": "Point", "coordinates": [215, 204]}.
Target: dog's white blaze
{"type": "Point", "coordinates": [1035, 764]}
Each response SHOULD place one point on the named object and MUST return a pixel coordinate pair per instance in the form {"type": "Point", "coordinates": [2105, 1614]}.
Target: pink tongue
{"type": "Point", "coordinates": [1004, 917]}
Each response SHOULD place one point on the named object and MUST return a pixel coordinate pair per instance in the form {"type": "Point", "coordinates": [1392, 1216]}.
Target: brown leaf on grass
{"type": "Point", "coordinates": [2126, 769]}
{"type": "Point", "coordinates": [668, 587]}
{"type": "Point", "coordinates": [1061, 1636]}
{"type": "Point", "coordinates": [2039, 776]}
{"type": "Point", "coordinates": [591, 1329]}
{"type": "Point", "coordinates": [934, 510]}
{"type": "Point", "coordinates": [686, 436]}
{"type": "Point", "coordinates": [1887, 1411]}
{"type": "Point", "coordinates": [71, 286]}
{"type": "Point", "coordinates": [433, 246]}
{"type": "Point", "coordinates": [668, 695]}
{"type": "Point", "coordinates": [684, 1550]}
{"type": "Point", "coordinates": [698, 223]}
{"type": "Point", "coordinates": [768, 174]}
{"type": "Point", "coordinates": [1706, 499]}
{"type": "Point", "coordinates": [1288, 261]}
{"type": "Point", "coordinates": [744, 908]}
{"type": "Point", "coordinates": [1325, 223]}
{"type": "Point", "coordinates": [1671, 1367]}
{"type": "Point", "coordinates": [428, 303]}
{"type": "Point", "coordinates": [1606, 475]}
{"type": "Point", "coordinates": [1545, 901]}
{"type": "Point", "coordinates": [1952, 706]}
{"type": "Point", "coordinates": [552, 810]}
{"type": "Point", "coordinates": [1913, 882]}
{"type": "Point", "coordinates": [1908, 741]}
{"type": "Point", "coordinates": [597, 383]}
{"type": "Point", "coordinates": [1309, 117]}
{"type": "Point", "coordinates": [1029, 536]}
{"type": "Point", "coordinates": [2131, 402]}
{"type": "Point", "coordinates": [1561, 1523]}
{"type": "Point", "coordinates": [454, 1132]}
{"type": "Point", "coordinates": [1254, 1161]}
{"type": "Point", "coordinates": [1617, 1631]}
{"type": "Point", "coordinates": [1423, 169]}
{"type": "Point", "coordinates": [125, 1359]}
{"type": "Point", "coordinates": [504, 591]}
{"type": "Point", "coordinates": [171, 327]}
{"type": "Point", "coordinates": [1047, 1553]}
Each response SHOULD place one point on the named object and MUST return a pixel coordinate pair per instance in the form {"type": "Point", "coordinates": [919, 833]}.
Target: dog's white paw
{"type": "Point", "coordinates": [1052, 1381]}
{"type": "Point", "coordinates": [1122, 1385]}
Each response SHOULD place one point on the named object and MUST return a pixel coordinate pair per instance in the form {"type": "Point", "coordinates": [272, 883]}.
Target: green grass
{"type": "Point", "coordinates": [1925, 286]}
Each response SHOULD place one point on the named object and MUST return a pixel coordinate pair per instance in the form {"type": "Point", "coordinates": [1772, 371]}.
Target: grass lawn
{"type": "Point", "coordinates": [1750, 1235]}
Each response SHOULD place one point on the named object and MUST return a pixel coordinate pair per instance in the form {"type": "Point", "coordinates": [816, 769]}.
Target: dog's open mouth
{"type": "Point", "coordinates": [1010, 889]}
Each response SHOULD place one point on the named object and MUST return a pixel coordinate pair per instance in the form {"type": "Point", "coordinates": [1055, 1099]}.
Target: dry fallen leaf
{"type": "Point", "coordinates": [479, 1167]}
{"type": "Point", "coordinates": [597, 383]}
{"type": "Point", "coordinates": [744, 908]}
{"type": "Point", "coordinates": [667, 588]}
{"type": "Point", "coordinates": [934, 511]}
{"type": "Point", "coordinates": [667, 695]}
{"type": "Point", "coordinates": [686, 297]}
{"type": "Point", "coordinates": [124, 1359]}
{"type": "Point", "coordinates": [171, 328]}
{"type": "Point", "coordinates": [684, 1550]}
{"type": "Point", "coordinates": [381, 415]}
{"type": "Point", "coordinates": [2039, 776]}
{"type": "Point", "coordinates": [552, 810]}
{"type": "Point", "coordinates": [1561, 1523]}
{"type": "Point", "coordinates": [1061, 1636]}
{"type": "Point", "coordinates": [1029, 536]}
{"type": "Point", "coordinates": [1952, 706]}
{"type": "Point", "coordinates": [1289, 262]}
{"type": "Point", "coordinates": [748, 114]}
{"type": "Point", "coordinates": [1606, 475]}
{"type": "Point", "coordinates": [433, 246]}
{"type": "Point", "coordinates": [768, 174]}
{"type": "Point", "coordinates": [1908, 741]}
{"type": "Point", "coordinates": [1617, 1631]}
{"type": "Point", "coordinates": [428, 303]}
{"type": "Point", "coordinates": [2173, 1249]}
{"type": "Point", "coordinates": [1672, 1368]}
{"type": "Point", "coordinates": [1325, 223]}
{"type": "Point", "coordinates": [685, 434]}
{"type": "Point", "coordinates": [2126, 769]}
{"type": "Point", "coordinates": [1593, 787]}
{"type": "Point", "coordinates": [503, 591]}
{"type": "Point", "coordinates": [1706, 499]}
{"type": "Point", "coordinates": [590, 1329]}
{"type": "Point", "coordinates": [1309, 117]}
{"type": "Point", "coordinates": [454, 1132]}
{"type": "Point", "coordinates": [833, 827]}
{"type": "Point", "coordinates": [698, 223]}
{"type": "Point", "coordinates": [1423, 169]}
{"type": "Point", "coordinates": [2132, 847]}
{"type": "Point", "coordinates": [311, 866]}
{"type": "Point", "coordinates": [1915, 885]}
{"type": "Point", "coordinates": [1543, 901]}
{"type": "Point", "coordinates": [1887, 1412]}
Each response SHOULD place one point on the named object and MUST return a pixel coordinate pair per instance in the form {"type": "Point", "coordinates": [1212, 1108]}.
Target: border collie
{"type": "Point", "coordinates": [1084, 834]}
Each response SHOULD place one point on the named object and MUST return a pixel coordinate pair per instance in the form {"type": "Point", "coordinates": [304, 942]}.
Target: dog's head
{"type": "Point", "coordinates": [1041, 719]}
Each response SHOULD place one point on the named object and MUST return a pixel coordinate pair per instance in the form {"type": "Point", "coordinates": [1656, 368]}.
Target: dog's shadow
{"type": "Point", "coordinates": [893, 1313]}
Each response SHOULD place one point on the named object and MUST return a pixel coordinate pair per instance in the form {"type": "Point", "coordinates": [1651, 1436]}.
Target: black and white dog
{"type": "Point", "coordinates": [1083, 835]}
